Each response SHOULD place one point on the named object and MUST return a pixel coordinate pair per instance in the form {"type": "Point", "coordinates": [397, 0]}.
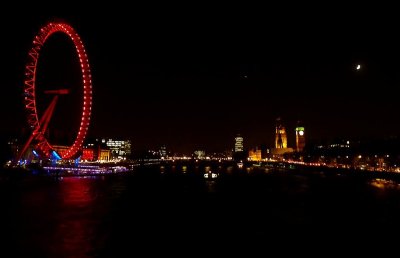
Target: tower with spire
{"type": "Point", "coordinates": [280, 135]}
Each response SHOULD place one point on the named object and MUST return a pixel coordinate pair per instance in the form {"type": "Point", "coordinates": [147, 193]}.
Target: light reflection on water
{"type": "Point", "coordinates": [211, 186]}
{"type": "Point", "coordinates": [75, 229]}
{"type": "Point", "coordinates": [90, 216]}
{"type": "Point", "coordinates": [61, 218]}
{"type": "Point", "coordinates": [384, 183]}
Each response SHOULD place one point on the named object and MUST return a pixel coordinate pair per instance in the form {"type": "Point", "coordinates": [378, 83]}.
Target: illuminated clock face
{"type": "Point", "coordinates": [301, 133]}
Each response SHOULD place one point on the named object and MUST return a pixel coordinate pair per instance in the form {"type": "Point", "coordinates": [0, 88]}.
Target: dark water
{"type": "Point", "coordinates": [126, 216]}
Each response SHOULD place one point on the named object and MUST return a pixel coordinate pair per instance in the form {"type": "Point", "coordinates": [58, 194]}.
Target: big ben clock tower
{"type": "Point", "coordinates": [300, 138]}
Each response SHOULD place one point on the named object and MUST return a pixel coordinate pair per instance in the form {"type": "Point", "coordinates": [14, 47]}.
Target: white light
{"type": "Point", "coordinates": [358, 67]}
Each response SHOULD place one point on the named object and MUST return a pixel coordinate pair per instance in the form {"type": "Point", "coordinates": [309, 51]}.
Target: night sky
{"type": "Point", "coordinates": [193, 78]}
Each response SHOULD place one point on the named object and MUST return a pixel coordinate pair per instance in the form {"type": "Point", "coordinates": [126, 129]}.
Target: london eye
{"type": "Point", "coordinates": [39, 122]}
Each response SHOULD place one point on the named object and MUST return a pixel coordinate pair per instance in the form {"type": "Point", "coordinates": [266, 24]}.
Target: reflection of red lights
{"type": "Point", "coordinates": [75, 227]}
{"type": "Point", "coordinates": [76, 191]}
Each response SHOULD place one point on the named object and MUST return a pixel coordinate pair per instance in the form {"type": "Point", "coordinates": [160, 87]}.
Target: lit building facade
{"type": "Point", "coordinates": [300, 139]}
{"type": "Point", "coordinates": [163, 152]}
{"type": "Point", "coordinates": [200, 154]}
{"type": "Point", "coordinates": [280, 135]}
{"type": "Point", "coordinates": [255, 155]}
{"type": "Point", "coordinates": [119, 149]}
{"type": "Point", "coordinates": [239, 143]}
{"type": "Point", "coordinates": [88, 154]}
{"type": "Point", "coordinates": [104, 155]}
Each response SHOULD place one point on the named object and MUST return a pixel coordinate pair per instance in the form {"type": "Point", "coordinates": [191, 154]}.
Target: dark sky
{"type": "Point", "coordinates": [194, 76]}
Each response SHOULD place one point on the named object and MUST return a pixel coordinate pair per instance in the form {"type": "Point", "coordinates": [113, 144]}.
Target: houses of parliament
{"type": "Point", "coordinates": [280, 143]}
{"type": "Point", "coordinates": [281, 146]}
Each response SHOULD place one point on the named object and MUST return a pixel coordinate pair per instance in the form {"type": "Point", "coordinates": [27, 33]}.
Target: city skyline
{"type": "Point", "coordinates": [145, 127]}
{"type": "Point", "coordinates": [197, 84]}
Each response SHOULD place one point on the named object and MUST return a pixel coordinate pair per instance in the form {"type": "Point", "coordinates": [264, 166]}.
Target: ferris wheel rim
{"type": "Point", "coordinates": [30, 87]}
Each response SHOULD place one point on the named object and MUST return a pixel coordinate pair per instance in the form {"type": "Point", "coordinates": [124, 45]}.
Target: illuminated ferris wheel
{"type": "Point", "coordinates": [39, 125]}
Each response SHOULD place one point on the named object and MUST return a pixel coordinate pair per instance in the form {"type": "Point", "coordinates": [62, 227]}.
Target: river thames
{"type": "Point", "coordinates": [126, 215]}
